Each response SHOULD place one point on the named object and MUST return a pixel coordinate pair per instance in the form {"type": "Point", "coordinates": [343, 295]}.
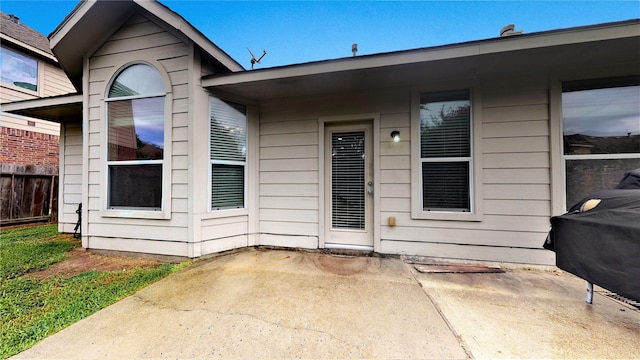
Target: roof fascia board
{"type": "Point", "coordinates": [345, 64]}
{"type": "Point", "coordinates": [567, 36]}
{"type": "Point", "coordinates": [480, 47]}
{"type": "Point", "coordinates": [188, 30]}
{"type": "Point", "coordinates": [46, 102]}
{"type": "Point", "coordinates": [28, 47]}
{"type": "Point", "coordinates": [70, 21]}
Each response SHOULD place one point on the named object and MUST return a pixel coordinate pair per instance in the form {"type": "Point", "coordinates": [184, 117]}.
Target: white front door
{"type": "Point", "coordinates": [348, 186]}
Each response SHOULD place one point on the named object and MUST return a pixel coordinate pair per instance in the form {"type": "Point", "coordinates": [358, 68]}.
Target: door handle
{"type": "Point", "coordinates": [370, 192]}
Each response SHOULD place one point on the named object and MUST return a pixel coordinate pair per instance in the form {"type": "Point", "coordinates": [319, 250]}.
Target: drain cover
{"type": "Point", "coordinates": [454, 268]}
{"type": "Point", "coordinates": [635, 304]}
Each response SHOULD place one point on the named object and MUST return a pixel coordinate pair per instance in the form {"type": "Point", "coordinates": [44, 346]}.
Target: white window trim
{"type": "Point", "coordinates": [137, 213]}
{"type": "Point", "coordinates": [475, 163]}
{"type": "Point", "coordinates": [559, 182]}
{"type": "Point", "coordinates": [213, 212]}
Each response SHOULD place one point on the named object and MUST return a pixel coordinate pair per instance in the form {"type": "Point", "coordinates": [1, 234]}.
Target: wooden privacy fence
{"type": "Point", "coordinates": [28, 194]}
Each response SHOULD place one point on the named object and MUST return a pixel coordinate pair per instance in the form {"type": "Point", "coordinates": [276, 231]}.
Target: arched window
{"type": "Point", "coordinates": [135, 117]}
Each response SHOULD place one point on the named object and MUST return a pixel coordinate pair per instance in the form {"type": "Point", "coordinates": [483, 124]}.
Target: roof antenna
{"type": "Point", "coordinates": [255, 60]}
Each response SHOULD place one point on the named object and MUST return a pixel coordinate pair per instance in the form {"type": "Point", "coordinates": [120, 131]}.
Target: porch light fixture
{"type": "Point", "coordinates": [395, 135]}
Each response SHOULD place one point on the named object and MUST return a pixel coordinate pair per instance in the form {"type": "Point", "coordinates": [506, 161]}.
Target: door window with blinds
{"type": "Point", "coordinates": [445, 151]}
{"type": "Point", "coordinates": [228, 151]}
{"type": "Point", "coordinates": [347, 180]}
{"type": "Point", "coordinates": [136, 139]}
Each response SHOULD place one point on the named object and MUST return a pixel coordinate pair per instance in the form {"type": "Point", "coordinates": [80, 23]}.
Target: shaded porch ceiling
{"type": "Point", "coordinates": [57, 109]}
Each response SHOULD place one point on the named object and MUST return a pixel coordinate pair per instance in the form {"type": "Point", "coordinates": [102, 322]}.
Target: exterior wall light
{"type": "Point", "coordinates": [395, 135]}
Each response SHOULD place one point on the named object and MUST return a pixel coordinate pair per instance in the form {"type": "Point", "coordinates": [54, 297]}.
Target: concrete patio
{"type": "Point", "coordinates": [295, 304]}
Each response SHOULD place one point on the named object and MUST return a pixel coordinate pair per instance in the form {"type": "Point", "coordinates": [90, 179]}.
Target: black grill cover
{"type": "Point", "coordinates": [602, 245]}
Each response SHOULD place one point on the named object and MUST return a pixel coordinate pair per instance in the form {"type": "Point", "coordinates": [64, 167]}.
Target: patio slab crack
{"type": "Point", "coordinates": [155, 304]}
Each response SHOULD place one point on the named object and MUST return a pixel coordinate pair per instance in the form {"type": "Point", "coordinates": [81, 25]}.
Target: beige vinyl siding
{"type": "Point", "coordinates": [70, 176]}
{"type": "Point", "coordinates": [288, 181]}
{"type": "Point", "coordinates": [289, 160]}
{"type": "Point", "coordinates": [138, 40]}
{"type": "Point", "coordinates": [55, 81]}
{"type": "Point", "coordinates": [29, 124]}
{"type": "Point", "coordinates": [8, 94]}
{"type": "Point", "coordinates": [515, 161]}
{"type": "Point", "coordinates": [516, 185]}
{"type": "Point", "coordinates": [225, 233]}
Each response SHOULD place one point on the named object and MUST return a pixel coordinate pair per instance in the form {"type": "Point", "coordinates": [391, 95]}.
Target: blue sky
{"type": "Point", "coordinates": [301, 31]}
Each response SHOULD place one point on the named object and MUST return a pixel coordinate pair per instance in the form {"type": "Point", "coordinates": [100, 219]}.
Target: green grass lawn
{"type": "Point", "coordinates": [32, 309]}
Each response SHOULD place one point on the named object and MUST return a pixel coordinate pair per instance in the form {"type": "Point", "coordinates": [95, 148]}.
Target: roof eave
{"type": "Point", "coordinates": [56, 108]}
{"type": "Point", "coordinates": [629, 28]}
{"type": "Point", "coordinates": [92, 19]}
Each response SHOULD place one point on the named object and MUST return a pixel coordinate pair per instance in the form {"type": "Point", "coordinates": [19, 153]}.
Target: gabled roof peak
{"type": "Point", "coordinates": [91, 20]}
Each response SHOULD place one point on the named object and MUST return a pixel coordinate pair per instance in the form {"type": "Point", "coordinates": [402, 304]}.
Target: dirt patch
{"type": "Point", "coordinates": [342, 265]}
{"type": "Point", "coordinates": [80, 260]}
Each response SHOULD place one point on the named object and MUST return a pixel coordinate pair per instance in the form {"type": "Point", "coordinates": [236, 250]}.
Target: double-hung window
{"type": "Point", "coordinates": [601, 134]}
{"type": "Point", "coordinates": [18, 70]}
{"type": "Point", "coordinates": [136, 139]}
{"type": "Point", "coordinates": [228, 154]}
{"type": "Point", "coordinates": [445, 151]}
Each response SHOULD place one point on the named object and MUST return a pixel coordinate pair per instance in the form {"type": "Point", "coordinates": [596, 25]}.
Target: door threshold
{"type": "Point", "coordinates": [348, 247]}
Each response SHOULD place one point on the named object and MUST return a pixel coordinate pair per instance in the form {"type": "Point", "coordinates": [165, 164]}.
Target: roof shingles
{"type": "Point", "coordinates": [23, 33]}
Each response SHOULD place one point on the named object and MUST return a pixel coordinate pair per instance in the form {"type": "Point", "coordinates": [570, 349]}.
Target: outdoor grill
{"type": "Point", "coordinates": [598, 240]}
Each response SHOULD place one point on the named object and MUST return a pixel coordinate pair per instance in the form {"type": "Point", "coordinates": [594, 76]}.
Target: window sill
{"type": "Point", "coordinates": [446, 215]}
{"type": "Point", "coordinates": [136, 214]}
{"type": "Point", "coordinates": [21, 89]}
{"type": "Point", "coordinates": [215, 214]}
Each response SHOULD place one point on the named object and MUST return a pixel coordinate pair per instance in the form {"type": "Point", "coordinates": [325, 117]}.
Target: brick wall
{"type": "Point", "coordinates": [29, 148]}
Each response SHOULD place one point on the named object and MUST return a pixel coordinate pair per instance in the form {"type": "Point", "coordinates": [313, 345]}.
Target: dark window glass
{"type": "Point", "coordinates": [585, 177]}
{"type": "Point", "coordinates": [227, 186]}
{"type": "Point", "coordinates": [135, 186]}
{"type": "Point", "coordinates": [446, 186]}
